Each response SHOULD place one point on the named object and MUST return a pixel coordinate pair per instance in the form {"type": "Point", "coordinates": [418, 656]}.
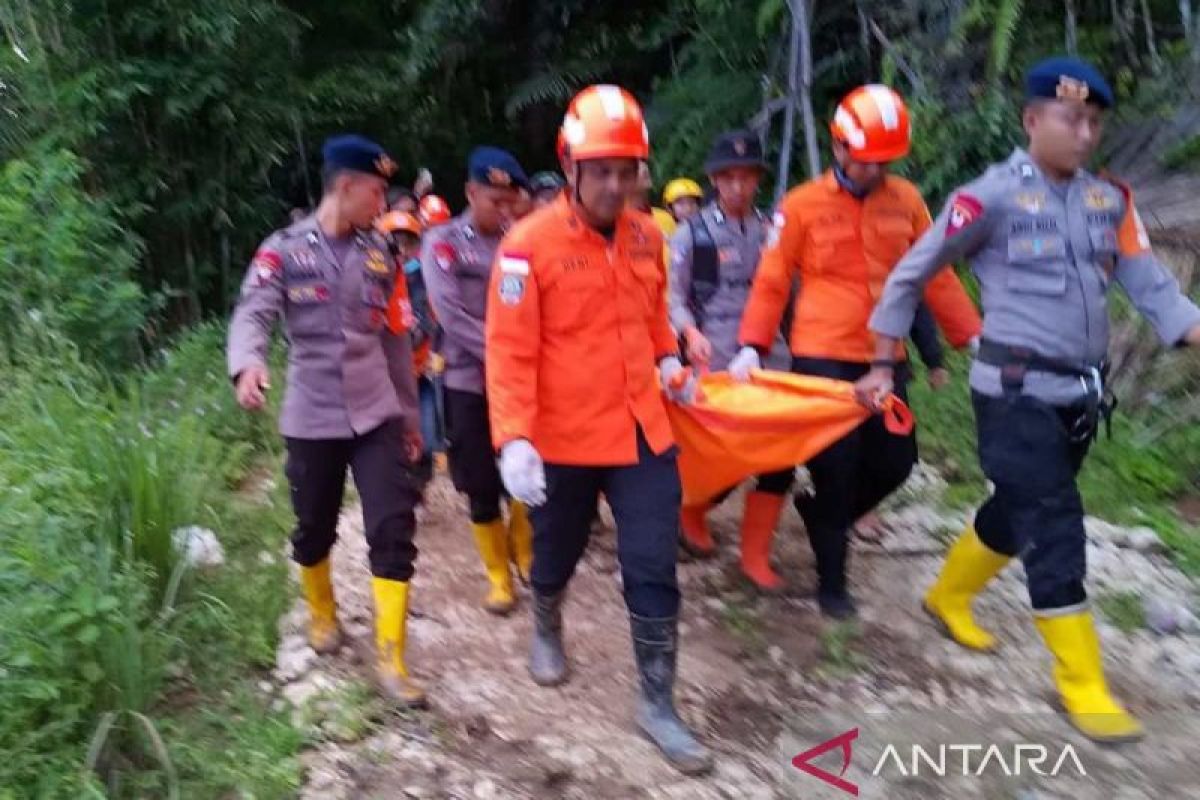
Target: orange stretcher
{"type": "Point", "coordinates": [774, 421]}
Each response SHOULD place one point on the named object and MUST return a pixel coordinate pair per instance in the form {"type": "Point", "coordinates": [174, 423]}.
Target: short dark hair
{"type": "Point", "coordinates": [329, 176]}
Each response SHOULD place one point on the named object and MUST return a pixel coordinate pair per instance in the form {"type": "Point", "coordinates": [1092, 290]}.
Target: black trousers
{"type": "Point", "coordinates": [850, 477]}
{"type": "Point", "coordinates": [1035, 510]}
{"type": "Point", "coordinates": [644, 498]}
{"type": "Point", "coordinates": [471, 455]}
{"type": "Point", "coordinates": [316, 473]}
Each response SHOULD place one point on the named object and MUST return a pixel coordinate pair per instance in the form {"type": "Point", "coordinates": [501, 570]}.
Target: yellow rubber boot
{"type": "Point", "coordinates": [1079, 675]}
{"type": "Point", "coordinates": [492, 540]}
{"type": "Point", "coordinates": [324, 635]}
{"type": "Point", "coordinates": [391, 627]}
{"type": "Point", "coordinates": [520, 539]}
{"type": "Point", "coordinates": [969, 566]}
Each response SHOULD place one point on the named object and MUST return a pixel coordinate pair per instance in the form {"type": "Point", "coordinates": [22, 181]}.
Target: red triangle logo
{"type": "Point", "coordinates": [801, 762]}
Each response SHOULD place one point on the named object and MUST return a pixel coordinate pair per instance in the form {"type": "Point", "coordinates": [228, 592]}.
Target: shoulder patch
{"type": "Point", "coordinates": [514, 263]}
{"type": "Point", "coordinates": [965, 210]}
{"type": "Point", "coordinates": [445, 255]}
{"type": "Point", "coordinates": [266, 264]}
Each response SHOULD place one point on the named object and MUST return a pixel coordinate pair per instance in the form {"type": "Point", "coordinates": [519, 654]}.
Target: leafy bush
{"type": "Point", "coordinates": [65, 260]}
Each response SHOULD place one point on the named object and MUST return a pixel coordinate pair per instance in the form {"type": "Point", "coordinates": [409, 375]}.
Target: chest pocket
{"type": "Point", "coordinates": [827, 246]}
{"type": "Point", "coordinates": [1037, 264]}
{"type": "Point", "coordinates": [473, 277]}
{"type": "Point", "coordinates": [571, 298]}
{"type": "Point", "coordinates": [309, 304]}
{"type": "Point", "coordinates": [894, 234]}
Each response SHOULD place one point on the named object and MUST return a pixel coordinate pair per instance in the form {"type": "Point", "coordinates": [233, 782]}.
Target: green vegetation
{"type": "Point", "coordinates": [147, 147]}
{"type": "Point", "coordinates": [1124, 610]}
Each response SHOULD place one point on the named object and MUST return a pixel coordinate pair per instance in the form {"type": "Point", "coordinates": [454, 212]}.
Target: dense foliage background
{"type": "Point", "coordinates": [147, 145]}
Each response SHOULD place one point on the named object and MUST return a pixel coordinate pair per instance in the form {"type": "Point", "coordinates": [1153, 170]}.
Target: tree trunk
{"type": "Point", "coordinates": [806, 79]}
{"type": "Point", "coordinates": [1072, 28]}
{"type": "Point", "coordinates": [1120, 18]}
{"type": "Point", "coordinates": [864, 40]}
{"type": "Point", "coordinates": [789, 112]}
{"type": "Point", "coordinates": [1151, 43]}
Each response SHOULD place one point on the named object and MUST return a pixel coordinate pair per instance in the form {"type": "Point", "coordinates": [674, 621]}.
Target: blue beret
{"type": "Point", "coordinates": [492, 166]}
{"type": "Point", "coordinates": [1067, 78]}
{"type": "Point", "coordinates": [358, 153]}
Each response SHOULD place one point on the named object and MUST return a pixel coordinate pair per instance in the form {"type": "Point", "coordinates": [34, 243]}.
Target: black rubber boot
{"type": "Point", "coordinates": [654, 644]}
{"type": "Point", "coordinates": [831, 553]}
{"type": "Point", "coordinates": [547, 661]}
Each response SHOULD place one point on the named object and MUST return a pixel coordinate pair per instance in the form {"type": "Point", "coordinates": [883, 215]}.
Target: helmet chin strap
{"type": "Point", "coordinates": [856, 191]}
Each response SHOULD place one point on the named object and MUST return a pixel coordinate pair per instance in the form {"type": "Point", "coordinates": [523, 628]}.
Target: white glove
{"type": "Point", "coordinates": [523, 472]}
{"type": "Point", "coordinates": [746, 360]}
{"type": "Point", "coordinates": [678, 382]}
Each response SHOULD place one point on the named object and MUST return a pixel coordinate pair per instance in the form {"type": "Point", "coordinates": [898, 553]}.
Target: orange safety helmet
{"type": "Point", "coordinates": [872, 121]}
{"type": "Point", "coordinates": [397, 222]}
{"type": "Point", "coordinates": [604, 121]}
{"type": "Point", "coordinates": [434, 210]}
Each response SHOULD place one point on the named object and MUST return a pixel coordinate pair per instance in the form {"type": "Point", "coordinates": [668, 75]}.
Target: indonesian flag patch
{"type": "Point", "coordinates": [445, 255]}
{"type": "Point", "coordinates": [514, 264]}
{"type": "Point", "coordinates": [964, 210]}
{"type": "Point", "coordinates": [266, 264]}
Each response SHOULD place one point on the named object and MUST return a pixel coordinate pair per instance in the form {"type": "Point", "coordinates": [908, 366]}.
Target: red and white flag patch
{"type": "Point", "coordinates": [266, 264]}
{"type": "Point", "coordinates": [445, 255]}
{"type": "Point", "coordinates": [514, 264]}
{"type": "Point", "coordinates": [964, 211]}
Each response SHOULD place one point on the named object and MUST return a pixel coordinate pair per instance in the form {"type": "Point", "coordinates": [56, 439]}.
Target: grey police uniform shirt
{"type": "Point", "coordinates": [347, 374]}
{"type": "Point", "coordinates": [1046, 254]}
{"type": "Point", "coordinates": [739, 244]}
{"type": "Point", "coordinates": [456, 263]}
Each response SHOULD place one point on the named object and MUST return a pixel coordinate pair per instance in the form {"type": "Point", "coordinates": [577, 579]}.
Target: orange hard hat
{"type": "Point", "coordinates": [872, 121]}
{"type": "Point", "coordinates": [434, 210]}
{"type": "Point", "coordinates": [398, 222]}
{"type": "Point", "coordinates": [605, 122]}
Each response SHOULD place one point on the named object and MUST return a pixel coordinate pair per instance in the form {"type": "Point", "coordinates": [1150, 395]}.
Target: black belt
{"type": "Point", "coordinates": [1015, 362]}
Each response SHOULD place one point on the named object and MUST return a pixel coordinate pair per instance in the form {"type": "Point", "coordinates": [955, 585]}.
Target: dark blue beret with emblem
{"type": "Point", "coordinates": [358, 153]}
{"type": "Point", "coordinates": [1068, 78]}
{"type": "Point", "coordinates": [492, 166]}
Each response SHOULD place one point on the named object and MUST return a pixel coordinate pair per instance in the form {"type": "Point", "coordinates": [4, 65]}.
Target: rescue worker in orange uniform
{"type": "Point", "coordinates": [841, 234]}
{"type": "Point", "coordinates": [576, 324]}
{"type": "Point", "coordinates": [456, 263]}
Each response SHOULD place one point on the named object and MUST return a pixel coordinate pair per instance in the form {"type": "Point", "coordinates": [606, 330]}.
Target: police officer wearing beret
{"type": "Point", "coordinates": [456, 262]}
{"type": "Point", "coordinates": [1047, 240]}
{"type": "Point", "coordinates": [351, 397]}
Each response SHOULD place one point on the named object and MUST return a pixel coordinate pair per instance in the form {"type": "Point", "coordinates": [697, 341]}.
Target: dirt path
{"type": "Point", "coordinates": [763, 678]}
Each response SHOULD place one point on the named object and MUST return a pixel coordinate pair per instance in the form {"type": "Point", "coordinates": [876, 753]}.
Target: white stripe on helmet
{"type": "Point", "coordinates": [885, 101]}
{"type": "Point", "coordinates": [612, 101]}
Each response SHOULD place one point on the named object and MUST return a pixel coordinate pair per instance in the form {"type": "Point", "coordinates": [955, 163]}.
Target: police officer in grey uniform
{"type": "Point", "coordinates": [456, 263]}
{"type": "Point", "coordinates": [714, 256]}
{"type": "Point", "coordinates": [351, 397]}
{"type": "Point", "coordinates": [1047, 240]}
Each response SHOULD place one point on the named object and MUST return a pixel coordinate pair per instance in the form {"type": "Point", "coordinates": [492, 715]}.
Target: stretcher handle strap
{"type": "Point", "coordinates": [897, 416]}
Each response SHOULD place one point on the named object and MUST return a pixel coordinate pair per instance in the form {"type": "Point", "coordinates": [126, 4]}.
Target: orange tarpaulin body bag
{"type": "Point", "coordinates": [774, 421]}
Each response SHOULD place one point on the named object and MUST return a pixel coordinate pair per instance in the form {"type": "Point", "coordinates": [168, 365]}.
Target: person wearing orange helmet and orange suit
{"type": "Point", "coordinates": [841, 234]}
{"type": "Point", "coordinates": [456, 262]}
{"type": "Point", "coordinates": [409, 312]}
{"type": "Point", "coordinates": [576, 325]}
